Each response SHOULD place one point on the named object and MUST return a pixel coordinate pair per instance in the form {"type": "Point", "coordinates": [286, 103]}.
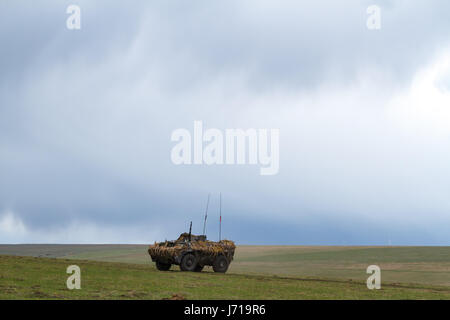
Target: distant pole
{"type": "Point", "coordinates": [220, 219]}
{"type": "Point", "coordinates": [206, 216]}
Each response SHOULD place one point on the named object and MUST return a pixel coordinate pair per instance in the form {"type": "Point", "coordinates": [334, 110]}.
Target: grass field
{"type": "Point", "coordinates": [258, 272]}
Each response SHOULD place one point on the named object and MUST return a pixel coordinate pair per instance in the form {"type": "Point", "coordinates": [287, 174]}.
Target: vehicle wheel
{"type": "Point", "coordinates": [220, 264]}
{"type": "Point", "coordinates": [198, 268]}
{"type": "Point", "coordinates": [161, 266]}
{"type": "Point", "coordinates": [188, 263]}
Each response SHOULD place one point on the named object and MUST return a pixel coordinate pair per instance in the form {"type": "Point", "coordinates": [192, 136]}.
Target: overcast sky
{"type": "Point", "coordinates": [86, 118]}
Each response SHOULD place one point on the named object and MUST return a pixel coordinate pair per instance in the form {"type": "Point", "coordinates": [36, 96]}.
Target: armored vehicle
{"type": "Point", "coordinates": [192, 253]}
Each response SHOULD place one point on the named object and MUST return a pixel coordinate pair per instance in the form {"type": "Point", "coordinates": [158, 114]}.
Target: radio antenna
{"type": "Point", "coordinates": [220, 219]}
{"type": "Point", "coordinates": [206, 216]}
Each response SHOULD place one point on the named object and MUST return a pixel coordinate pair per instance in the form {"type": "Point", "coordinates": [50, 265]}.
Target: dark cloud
{"type": "Point", "coordinates": [86, 118]}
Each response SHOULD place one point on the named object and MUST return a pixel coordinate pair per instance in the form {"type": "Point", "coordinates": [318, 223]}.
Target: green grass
{"type": "Point", "coordinates": [273, 272]}
{"type": "Point", "coordinates": [420, 265]}
{"type": "Point", "coordinates": [45, 278]}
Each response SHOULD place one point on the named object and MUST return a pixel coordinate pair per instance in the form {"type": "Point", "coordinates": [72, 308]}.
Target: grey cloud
{"type": "Point", "coordinates": [86, 117]}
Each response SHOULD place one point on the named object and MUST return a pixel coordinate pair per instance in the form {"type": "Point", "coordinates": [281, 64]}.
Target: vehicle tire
{"type": "Point", "coordinates": [198, 268]}
{"type": "Point", "coordinates": [220, 264]}
{"type": "Point", "coordinates": [161, 266]}
{"type": "Point", "coordinates": [188, 262]}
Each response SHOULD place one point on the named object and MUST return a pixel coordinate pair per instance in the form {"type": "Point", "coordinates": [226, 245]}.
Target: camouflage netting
{"type": "Point", "coordinates": [170, 249]}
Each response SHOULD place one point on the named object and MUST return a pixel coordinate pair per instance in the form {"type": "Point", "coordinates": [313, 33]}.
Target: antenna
{"type": "Point", "coordinates": [220, 219]}
{"type": "Point", "coordinates": [206, 216]}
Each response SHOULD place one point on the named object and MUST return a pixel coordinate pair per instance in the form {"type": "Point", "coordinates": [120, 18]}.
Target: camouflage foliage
{"type": "Point", "coordinates": [171, 249]}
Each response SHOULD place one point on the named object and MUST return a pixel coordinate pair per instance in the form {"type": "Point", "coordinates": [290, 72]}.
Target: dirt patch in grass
{"type": "Point", "coordinates": [175, 296]}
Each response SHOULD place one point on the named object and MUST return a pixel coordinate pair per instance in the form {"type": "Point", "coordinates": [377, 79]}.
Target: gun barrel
{"type": "Point", "coordinates": [190, 231]}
